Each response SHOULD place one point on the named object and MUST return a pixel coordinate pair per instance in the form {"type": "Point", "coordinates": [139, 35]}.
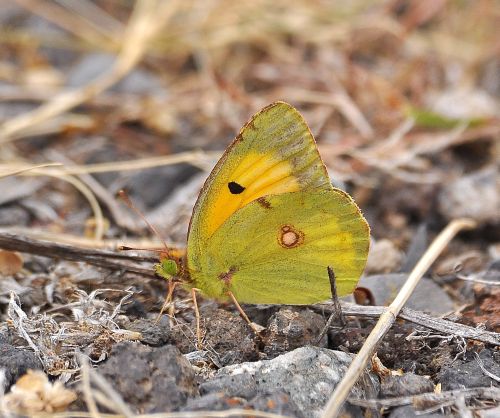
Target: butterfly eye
{"type": "Point", "coordinates": [235, 188]}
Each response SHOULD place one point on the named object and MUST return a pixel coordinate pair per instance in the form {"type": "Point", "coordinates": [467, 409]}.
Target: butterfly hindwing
{"type": "Point", "coordinates": [277, 249]}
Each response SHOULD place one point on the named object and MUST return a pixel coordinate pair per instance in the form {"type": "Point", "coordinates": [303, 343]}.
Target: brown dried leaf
{"type": "Point", "coordinates": [10, 263]}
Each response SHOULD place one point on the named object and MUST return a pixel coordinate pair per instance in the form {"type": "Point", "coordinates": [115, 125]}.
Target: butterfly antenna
{"type": "Point", "coordinates": [127, 248]}
{"type": "Point", "coordinates": [122, 194]}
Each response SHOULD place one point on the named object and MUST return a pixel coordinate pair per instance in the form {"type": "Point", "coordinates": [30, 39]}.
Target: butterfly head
{"type": "Point", "coordinates": [171, 265]}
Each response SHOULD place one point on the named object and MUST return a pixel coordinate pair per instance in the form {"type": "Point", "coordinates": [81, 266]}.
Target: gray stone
{"type": "Point", "coordinates": [150, 379]}
{"type": "Point", "coordinates": [290, 328]}
{"type": "Point", "coordinates": [153, 333]}
{"type": "Point", "coordinates": [216, 401]}
{"type": "Point", "coordinates": [226, 334]}
{"type": "Point", "coordinates": [240, 385]}
{"type": "Point", "coordinates": [468, 374]}
{"type": "Point", "coordinates": [408, 412]}
{"type": "Point", "coordinates": [405, 385]}
{"type": "Point", "coordinates": [308, 375]}
{"type": "Point", "coordinates": [427, 297]}
{"type": "Point", "coordinates": [15, 361]}
{"type": "Point", "coordinates": [476, 196]}
{"type": "Point", "coordinates": [277, 402]}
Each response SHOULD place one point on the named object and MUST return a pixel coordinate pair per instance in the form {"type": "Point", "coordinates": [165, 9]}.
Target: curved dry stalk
{"type": "Point", "coordinates": [198, 158]}
{"type": "Point", "coordinates": [387, 319]}
{"type": "Point", "coordinates": [78, 184]}
{"type": "Point", "coordinates": [16, 171]}
{"type": "Point", "coordinates": [87, 193]}
{"type": "Point", "coordinates": [147, 18]}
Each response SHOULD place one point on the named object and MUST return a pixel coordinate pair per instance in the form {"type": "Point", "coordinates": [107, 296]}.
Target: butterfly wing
{"type": "Point", "coordinates": [277, 249]}
{"type": "Point", "coordinates": [274, 153]}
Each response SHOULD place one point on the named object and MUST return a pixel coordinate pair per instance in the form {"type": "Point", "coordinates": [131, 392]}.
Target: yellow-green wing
{"type": "Point", "coordinates": [277, 249]}
{"type": "Point", "coordinates": [274, 153]}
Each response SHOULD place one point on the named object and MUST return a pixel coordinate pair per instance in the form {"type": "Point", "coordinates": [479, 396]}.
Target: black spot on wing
{"type": "Point", "coordinates": [235, 188]}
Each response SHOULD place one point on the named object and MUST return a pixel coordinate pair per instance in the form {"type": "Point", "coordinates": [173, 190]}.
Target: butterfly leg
{"type": "Point", "coordinates": [337, 310]}
{"type": "Point", "coordinates": [197, 316]}
{"type": "Point", "coordinates": [168, 298]}
{"type": "Point", "coordinates": [244, 315]}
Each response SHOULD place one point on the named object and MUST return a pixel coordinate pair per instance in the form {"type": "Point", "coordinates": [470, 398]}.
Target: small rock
{"type": "Point", "coordinates": [489, 413]}
{"type": "Point", "coordinates": [463, 103]}
{"type": "Point", "coordinates": [408, 412]}
{"type": "Point", "coordinates": [239, 385]}
{"type": "Point", "coordinates": [225, 333]}
{"type": "Point", "coordinates": [150, 379]}
{"type": "Point", "coordinates": [277, 402]}
{"type": "Point", "coordinates": [289, 329]}
{"type": "Point", "coordinates": [383, 257]}
{"type": "Point", "coordinates": [213, 402]}
{"type": "Point", "coordinates": [476, 196]}
{"type": "Point", "coordinates": [468, 373]}
{"type": "Point", "coordinates": [14, 215]}
{"type": "Point", "coordinates": [15, 362]}
{"type": "Point", "coordinates": [308, 375]}
{"type": "Point", "coordinates": [428, 296]}
{"type": "Point", "coordinates": [406, 385]}
{"type": "Point", "coordinates": [139, 81]}
{"type": "Point", "coordinates": [154, 334]}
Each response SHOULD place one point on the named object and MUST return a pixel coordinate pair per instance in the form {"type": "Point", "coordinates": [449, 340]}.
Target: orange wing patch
{"type": "Point", "coordinates": [257, 175]}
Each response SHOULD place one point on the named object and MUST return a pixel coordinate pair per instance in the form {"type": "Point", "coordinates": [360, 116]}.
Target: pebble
{"type": "Point", "coordinates": [407, 411]}
{"type": "Point", "coordinates": [226, 334]}
{"type": "Point", "coordinates": [308, 375]}
{"type": "Point", "coordinates": [289, 329]}
{"type": "Point", "coordinates": [153, 333]}
{"type": "Point", "coordinates": [406, 385]}
{"type": "Point", "coordinates": [169, 376]}
{"type": "Point", "coordinates": [15, 362]}
{"type": "Point", "coordinates": [427, 296]}
{"type": "Point", "coordinates": [468, 374]}
{"type": "Point", "coordinates": [384, 257]}
{"type": "Point", "coordinates": [475, 195]}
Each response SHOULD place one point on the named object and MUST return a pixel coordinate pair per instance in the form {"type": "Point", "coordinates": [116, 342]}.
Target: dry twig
{"type": "Point", "coordinates": [147, 19]}
{"type": "Point", "coordinates": [387, 319]}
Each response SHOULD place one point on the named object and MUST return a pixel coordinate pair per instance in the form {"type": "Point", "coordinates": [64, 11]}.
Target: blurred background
{"type": "Point", "coordinates": [402, 96]}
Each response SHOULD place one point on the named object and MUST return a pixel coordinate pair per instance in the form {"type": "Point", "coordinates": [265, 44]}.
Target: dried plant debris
{"type": "Point", "coordinates": [93, 331]}
{"type": "Point", "coordinates": [33, 393]}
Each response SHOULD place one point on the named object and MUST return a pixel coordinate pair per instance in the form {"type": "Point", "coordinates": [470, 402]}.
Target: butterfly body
{"type": "Point", "coordinates": [268, 222]}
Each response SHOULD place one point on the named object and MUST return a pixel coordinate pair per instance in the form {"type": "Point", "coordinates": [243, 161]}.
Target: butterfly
{"type": "Point", "coordinates": [268, 222]}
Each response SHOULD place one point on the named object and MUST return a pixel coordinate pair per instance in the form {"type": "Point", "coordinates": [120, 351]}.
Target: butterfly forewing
{"type": "Point", "coordinates": [274, 153]}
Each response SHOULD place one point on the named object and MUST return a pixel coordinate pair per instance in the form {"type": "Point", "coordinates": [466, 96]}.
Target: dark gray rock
{"type": "Point", "coordinates": [290, 328]}
{"type": "Point", "coordinates": [408, 412]}
{"type": "Point", "coordinates": [15, 362]}
{"type": "Point", "coordinates": [406, 385]}
{"type": "Point", "coordinates": [150, 379]}
{"type": "Point", "coordinates": [226, 334]}
{"type": "Point", "coordinates": [153, 333]}
{"type": "Point", "coordinates": [277, 402]}
{"type": "Point", "coordinates": [308, 375]}
{"type": "Point", "coordinates": [468, 374]}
